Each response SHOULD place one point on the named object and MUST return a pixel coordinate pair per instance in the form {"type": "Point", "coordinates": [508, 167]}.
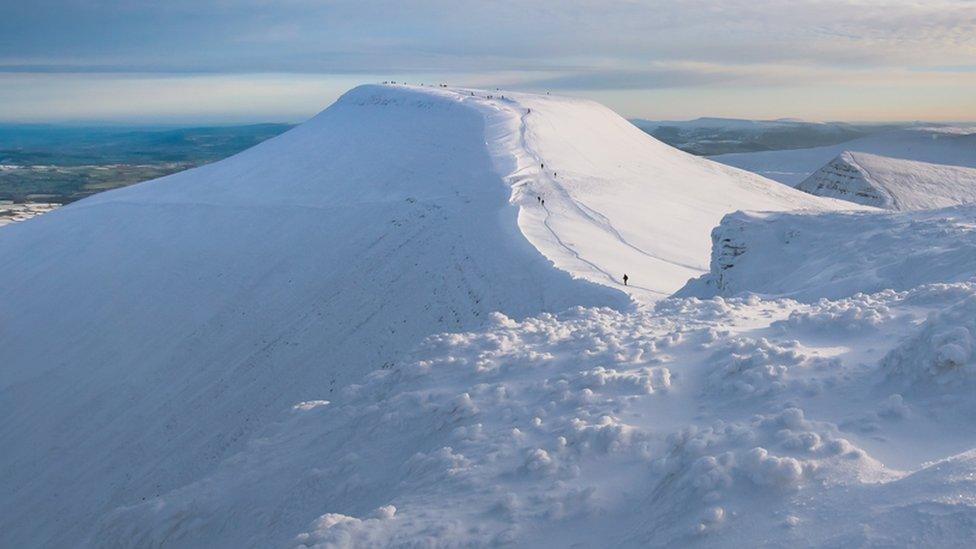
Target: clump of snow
{"type": "Point", "coordinates": [334, 530]}
{"type": "Point", "coordinates": [381, 352]}
{"type": "Point", "coordinates": [941, 354]}
{"type": "Point", "coordinates": [759, 367]}
{"type": "Point", "coordinates": [841, 317]}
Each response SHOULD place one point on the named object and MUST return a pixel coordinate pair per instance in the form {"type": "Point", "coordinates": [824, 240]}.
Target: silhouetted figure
{"type": "Point", "coordinates": [543, 165]}
{"type": "Point", "coordinates": [543, 202]}
{"type": "Point", "coordinates": [626, 278]}
{"type": "Point", "coordinates": [554, 174]}
{"type": "Point", "coordinates": [538, 199]}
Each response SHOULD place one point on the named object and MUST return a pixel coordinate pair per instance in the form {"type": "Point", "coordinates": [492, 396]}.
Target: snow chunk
{"type": "Point", "coordinates": [941, 354]}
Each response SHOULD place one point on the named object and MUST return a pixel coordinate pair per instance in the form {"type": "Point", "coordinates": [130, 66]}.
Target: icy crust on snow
{"type": "Point", "coordinates": [834, 255]}
{"type": "Point", "coordinates": [891, 183]}
{"type": "Point", "coordinates": [722, 422]}
{"type": "Point", "coordinates": [951, 146]}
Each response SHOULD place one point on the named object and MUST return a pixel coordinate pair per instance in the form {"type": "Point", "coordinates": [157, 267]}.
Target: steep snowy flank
{"type": "Point", "coordinates": [618, 201]}
{"type": "Point", "coordinates": [807, 257]}
{"type": "Point", "coordinates": [892, 183]}
{"type": "Point", "coordinates": [950, 146]}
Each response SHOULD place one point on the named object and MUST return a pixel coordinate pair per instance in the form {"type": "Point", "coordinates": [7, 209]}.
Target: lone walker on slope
{"type": "Point", "coordinates": [626, 278]}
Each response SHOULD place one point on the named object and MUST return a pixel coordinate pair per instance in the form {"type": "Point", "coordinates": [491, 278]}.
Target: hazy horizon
{"type": "Point", "coordinates": [213, 61]}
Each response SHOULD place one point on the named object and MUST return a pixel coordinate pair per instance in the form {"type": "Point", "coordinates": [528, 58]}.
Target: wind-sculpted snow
{"type": "Point", "coordinates": [891, 183]}
{"type": "Point", "coordinates": [605, 428]}
{"type": "Point", "coordinates": [835, 255]}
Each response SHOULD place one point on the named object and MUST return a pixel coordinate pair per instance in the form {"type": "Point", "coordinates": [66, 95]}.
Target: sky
{"type": "Point", "coordinates": [230, 61]}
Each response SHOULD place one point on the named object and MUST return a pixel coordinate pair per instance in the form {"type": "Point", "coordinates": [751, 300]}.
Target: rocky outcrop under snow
{"type": "Point", "coordinates": [892, 183]}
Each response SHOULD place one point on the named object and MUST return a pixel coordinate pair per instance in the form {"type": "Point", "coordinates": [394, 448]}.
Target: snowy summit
{"type": "Point", "coordinates": [406, 323]}
{"type": "Point", "coordinates": [892, 183]}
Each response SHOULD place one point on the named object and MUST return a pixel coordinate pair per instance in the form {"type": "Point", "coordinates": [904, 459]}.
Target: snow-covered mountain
{"type": "Point", "coordinates": [953, 146]}
{"type": "Point", "coordinates": [153, 338]}
{"type": "Point", "coordinates": [892, 183]}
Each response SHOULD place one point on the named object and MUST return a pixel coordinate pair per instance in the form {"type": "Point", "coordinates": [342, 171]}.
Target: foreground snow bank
{"type": "Point", "coordinates": [717, 422]}
{"type": "Point", "coordinates": [837, 255]}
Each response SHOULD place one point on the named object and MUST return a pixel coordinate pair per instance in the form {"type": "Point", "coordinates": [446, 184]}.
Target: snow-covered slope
{"type": "Point", "coordinates": [892, 183]}
{"type": "Point", "coordinates": [618, 201]}
{"type": "Point", "coordinates": [146, 333]}
{"type": "Point", "coordinates": [717, 423]}
{"type": "Point", "coordinates": [836, 255]}
{"type": "Point", "coordinates": [150, 334]}
{"type": "Point", "coordinates": [940, 145]}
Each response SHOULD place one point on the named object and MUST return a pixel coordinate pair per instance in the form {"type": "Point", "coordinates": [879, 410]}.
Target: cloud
{"type": "Point", "coordinates": [588, 45]}
{"type": "Point", "coordinates": [344, 35]}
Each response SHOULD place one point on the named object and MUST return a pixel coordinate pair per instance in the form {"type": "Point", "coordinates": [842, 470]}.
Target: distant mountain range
{"type": "Point", "coordinates": [61, 164]}
{"type": "Point", "coordinates": [711, 136]}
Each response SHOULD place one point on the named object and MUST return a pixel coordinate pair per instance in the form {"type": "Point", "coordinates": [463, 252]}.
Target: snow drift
{"type": "Point", "coordinates": [835, 255]}
{"type": "Point", "coordinates": [952, 146]}
{"type": "Point", "coordinates": [891, 183]}
{"type": "Point", "coordinates": [149, 335]}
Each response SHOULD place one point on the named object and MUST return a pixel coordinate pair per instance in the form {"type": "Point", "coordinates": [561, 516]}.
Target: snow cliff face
{"type": "Point", "coordinates": [892, 183]}
{"type": "Point", "coordinates": [835, 255]}
{"type": "Point", "coordinates": [617, 201]}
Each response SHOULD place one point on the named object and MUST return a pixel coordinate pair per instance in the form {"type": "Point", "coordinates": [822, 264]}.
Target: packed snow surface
{"type": "Point", "coordinates": [370, 331]}
{"type": "Point", "coordinates": [839, 254]}
{"type": "Point", "coordinates": [953, 146]}
{"type": "Point", "coordinates": [892, 183]}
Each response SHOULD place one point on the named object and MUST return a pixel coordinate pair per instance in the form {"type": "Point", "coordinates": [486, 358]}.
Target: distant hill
{"type": "Point", "coordinates": [892, 183]}
{"type": "Point", "coordinates": [949, 145]}
{"type": "Point", "coordinates": [711, 136]}
{"type": "Point", "coordinates": [61, 164]}
{"type": "Point", "coordinates": [32, 144]}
